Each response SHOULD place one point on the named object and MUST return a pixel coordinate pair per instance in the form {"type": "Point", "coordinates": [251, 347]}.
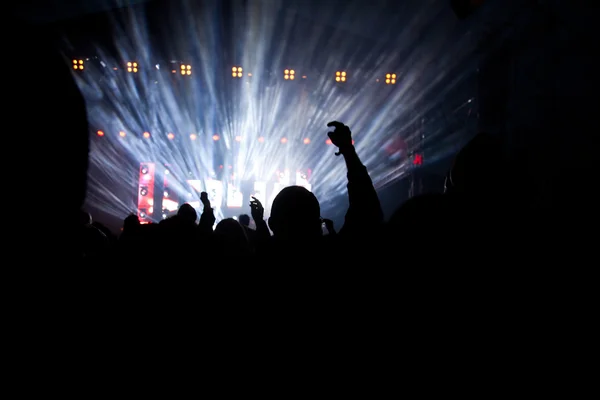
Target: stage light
{"type": "Point", "coordinates": [144, 170]}
{"type": "Point", "coordinates": [283, 140]}
{"type": "Point", "coordinates": [306, 140]}
{"type": "Point", "coordinates": [418, 159]}
{"type": "Point", "coordinates": [186, 69]}
{"type": "Point", "coordinates": [143, 191]}
{"type": "Point", "coordinates": [100, 133]}
{"type": "Point", "coordinates": [122, 134]}
{"type": "Point", "coordinates": [132, 67]}
{"type": "Point", "coordinates": [261, 139]}
{"type": "Point", "coordinates": [237, 72]}
{"type": "Point", "coordinates": [146, 135]}
{"type": "Point", "coordinates": [193, 136]}
{"type": "Point", "coordinates": [340, 76]}
{"type": "Point", "coordinates": [215, 137]}
{"type": "Point", "coordinates": [289, 74]}
{"type": "Point", "coordinates": [328, 141]}
{"type": "Point", "coordinates": [78, 65]}
{"type": "Point", "coordinates": [390, 79]}
{"type": "Point", "coordinates": [238, 138]}
{"type": "Point", "coordinates": [170, 136]}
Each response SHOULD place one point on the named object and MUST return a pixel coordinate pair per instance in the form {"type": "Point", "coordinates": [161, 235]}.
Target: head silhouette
{"type": "Point", "coordinates": [244, 219]}
{"type": "Point", "coordinates": [187, 213]}
{"type": "Point", "coordinates": [478, 167]}
{"type": "Point", "coordinates": [231, 238]}
{"type": "Point", "coordinates": [295, 214]}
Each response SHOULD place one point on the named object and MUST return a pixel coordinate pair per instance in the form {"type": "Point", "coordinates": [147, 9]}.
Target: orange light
{"type": "Point", "coordinates": [340, 76]}
{"type": "Point", "coordinates": [289, 74]}
{"type": "Point", "coordinates": [146, 135]}
{"type": "Point", "coordinates": [170, 136]}
{"type": "Point", "coordinates": [328, 141]}
{"type": "Point", "coordinates": [237, 72]}
{"type": "Point", "coordinates": [306, 140]}
{"type": "Point", "coordinates": [390, 79]}
{"type": "Point", "coordinates": [193, 136]}
{"type": "Point", "coordinates": [132, 66]}
{"type": "Point", "coordinates": [215, 137]}
{"type": "Point", "coordinates": [283, 140]}
{"type": "Point", "coordinates": [238, 138]}
{"type": "Point", "coordinates": [100, 133]}
{"type": "Point", "coordinates": [186, 69]}
{"type": "Point", "coordinates": [78, 64]}
{"type": "Point", "coordinates": [122, 134]}
{"type": "Point", "coordinates": [261, 139]}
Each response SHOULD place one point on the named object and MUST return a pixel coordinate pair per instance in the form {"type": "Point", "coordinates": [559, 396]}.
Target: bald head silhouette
{"type": "Point", "coordinates": [295, 213]}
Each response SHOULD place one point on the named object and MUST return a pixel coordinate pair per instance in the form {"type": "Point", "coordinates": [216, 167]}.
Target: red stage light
{"type": "Point", "coordinates": [418, 160]}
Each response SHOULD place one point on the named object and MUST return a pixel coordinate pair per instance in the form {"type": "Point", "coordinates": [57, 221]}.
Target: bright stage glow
{"type": "Point", "coordinates": [272, 119]}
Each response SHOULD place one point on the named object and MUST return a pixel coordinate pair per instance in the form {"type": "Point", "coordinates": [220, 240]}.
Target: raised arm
{"type": "Point", "coordinates": [364, 212]}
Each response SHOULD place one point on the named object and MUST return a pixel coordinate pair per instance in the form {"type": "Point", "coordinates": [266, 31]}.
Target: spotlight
{"type": "Point", "coordinates": [238, 138]}
{"type": "Point", "coordinates": [306, 140]}
{"type": "Point", "coordinates": [193, 136]}
{"type": "Point", "coordinates": [142, 214]}
{"type": "Point", "coordinates": [186, 69]}
{"type": "Point", "coordinates": [215, 137]}
{"type": "Point", "coordinates": [144, 170]}
{"type": "Point", "coordinates": [170, 136]}
{"type": "Point", "coordinates": [289, 74]}
{"type": "Point", "coordinates": [146, 135]}
{"type": "Point", "coordinates": [132, 67]}
{"type": "Point", "coordinates": [390, 79]}
{"type": "Point", "coordinates": [122, 134]}
{"type": "Point", "coordinates": [261, 139]}
{"type": "Point", "coordinates": [166, 193]}
{"type": "Point", "coordinates": [143, 191]}
{"type": "Point", "coordinates": [237, 72]}
{"type": "Point", "coordinates": [100, 133]}
{"type": "Point", "coordinates": [78, 65]}
{"type": "Point", "coordinates": [340, 76]}
{"type": "Point", "coordinates": [283, 140]}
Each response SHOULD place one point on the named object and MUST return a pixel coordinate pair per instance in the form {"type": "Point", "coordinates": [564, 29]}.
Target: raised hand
{"type": "Point", "coordinates": [257, 210]}
{"type": "Point", "coordinates": [204, 199]}
{"type": "Point", "coordinates": [341, 136]}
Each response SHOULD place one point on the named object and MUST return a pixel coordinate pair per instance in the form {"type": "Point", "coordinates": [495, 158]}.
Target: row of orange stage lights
{"type": "Point", "coordinates": [238, 72]}
{"type": "Point", "coordinates": [216, 138]}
